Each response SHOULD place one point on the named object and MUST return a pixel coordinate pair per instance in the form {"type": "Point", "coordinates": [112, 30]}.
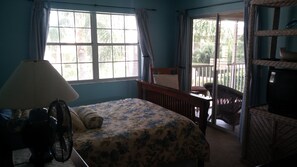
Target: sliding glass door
{"type": "Point", "coordinates": [218, 57]}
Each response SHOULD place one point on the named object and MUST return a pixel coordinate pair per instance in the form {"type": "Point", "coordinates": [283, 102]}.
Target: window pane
{"type": "Point", "coordinates": [105, 70]}
{"type": "Point", "coordinates": [204, 32]}
{"type": "Point", "coordinates": [103, 36]}
{"type": "Point", "coordinates": [53, 21]}
{"type": "Point", "coordinates": [132, 69]}
{"type": "Point", "coordinates": [69, 72]}
{"type": "Point", "coordinates": [240, 43]}
{"type": "Point", "coordinates": [130, 22]}
{"type": "Point", "coordinates": [66, 19]}
{"type": "Point", "coordinates": [52, 53]}
{"type": "Point", "coordinates": [84, 53]}
{"type": "Point", "coordinates": [82, 20]}
{"type": "Point", "coordinates": [240, 28]}
{"type": "Point", "coordinates": [227, 39]}
{"type": "Point", "coordinates": [85, 71]}
{"type": "Point", "coordinates": [117, 36]}
{"type": "Point", "coordinates": [68, 53]}
{"type": "Point", "coordinates": [117, 21]}
{"type": "Point", "coordinates": [83, 35]}
{"type": "Point", "coordinates": [53, 35]}
{"type": "Point", "coordinates": [131, 53]}
{"type": "Point", "coordinates": [103, 21]}
{"type": "Point", "coordinates": [67, 35]}
{"type": "Point", "coordinates": [119, 70]}
{"type": "Point", "coordinates": [131, 36]}
{"type": "Point", "coordinates": [105, 53]}
{"type": "Point", "coordinates": [119, 53]}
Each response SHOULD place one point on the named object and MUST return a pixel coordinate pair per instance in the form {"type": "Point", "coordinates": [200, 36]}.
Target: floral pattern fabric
{"type": "Point", "coordinates": [136, 133]}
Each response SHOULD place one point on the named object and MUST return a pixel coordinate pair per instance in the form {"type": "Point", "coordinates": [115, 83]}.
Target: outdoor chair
{"type": "Point", "coordinates": [228, 103]}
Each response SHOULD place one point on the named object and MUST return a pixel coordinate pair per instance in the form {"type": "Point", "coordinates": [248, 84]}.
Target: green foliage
{"type": "Point", "coordinates": [203, 55]}
{"type": "Point", "coordinates": [204, 31]}
{"type": "Point", "coordinates": [203, 28]}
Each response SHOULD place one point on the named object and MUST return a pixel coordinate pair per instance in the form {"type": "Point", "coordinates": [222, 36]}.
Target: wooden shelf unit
{"type": "Point", "coordinates": [276, 63]}
{"type": "Point", "coordinates": [271, 33]}
{"type": "Point", "coordinates": [274, 3]}
{"type": "Point", "coordinates": [268, 136]}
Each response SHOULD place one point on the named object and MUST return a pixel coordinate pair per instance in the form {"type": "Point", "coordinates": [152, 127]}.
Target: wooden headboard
{"type": "Point", "coordinates": [190, 105]}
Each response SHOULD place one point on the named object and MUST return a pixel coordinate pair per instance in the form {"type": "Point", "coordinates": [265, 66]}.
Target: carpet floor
{"type": "Point", "coordinates": [225, 149]}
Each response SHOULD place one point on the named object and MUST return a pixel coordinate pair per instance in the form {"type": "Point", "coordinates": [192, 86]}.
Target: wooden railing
{"type": "Point", "coordinates": [231, 75]}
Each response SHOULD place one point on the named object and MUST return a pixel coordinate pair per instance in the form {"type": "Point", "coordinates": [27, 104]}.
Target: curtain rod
{"type": "Point", "coordinates": [96, 5]}
{"type": "Point", "coordinates": [207, 6]}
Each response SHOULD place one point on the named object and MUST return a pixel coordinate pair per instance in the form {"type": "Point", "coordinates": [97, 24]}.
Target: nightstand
{"type": "Point", "coordinates": [21, 159]}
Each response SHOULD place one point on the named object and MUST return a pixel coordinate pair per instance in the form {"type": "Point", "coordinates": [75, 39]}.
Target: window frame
{"type": "Point", "coordinates": [94, 44]}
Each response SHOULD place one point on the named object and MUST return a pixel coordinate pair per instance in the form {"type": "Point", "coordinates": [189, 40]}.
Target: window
{"type": "Point", "coordinates": [230, 61]}
{"type": "Point", "coordinates": [218, 58]}
{"type": "Point", "coordinates": [92, 46]}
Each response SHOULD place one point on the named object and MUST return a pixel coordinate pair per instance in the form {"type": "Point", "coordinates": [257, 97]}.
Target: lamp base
{"type": "Point", "coordinates": [5, 141]}
{"type": "Point", "coordinates": [37, 136]}
{"type": "Point", "coordinates": [5, 151]}
{"type": "Point", "coordinates": [39, 158]}
{"type": "Point", "coordinates": [6, 159]}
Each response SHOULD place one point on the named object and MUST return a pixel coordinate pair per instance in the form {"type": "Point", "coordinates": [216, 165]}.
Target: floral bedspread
{"type": "Point", "coordinates": [136, 132]}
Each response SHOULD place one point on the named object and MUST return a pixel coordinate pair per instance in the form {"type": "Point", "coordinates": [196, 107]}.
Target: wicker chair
{"type": "Point", "coordinates": [228, 103]}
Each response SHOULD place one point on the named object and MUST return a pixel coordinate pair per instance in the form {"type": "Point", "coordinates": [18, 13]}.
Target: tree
{"type": "Point", "coordinates": [204, 31]}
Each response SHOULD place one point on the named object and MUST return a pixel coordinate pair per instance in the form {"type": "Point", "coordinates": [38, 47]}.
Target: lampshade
{"type": "Point", "coordinates": [35, 84]}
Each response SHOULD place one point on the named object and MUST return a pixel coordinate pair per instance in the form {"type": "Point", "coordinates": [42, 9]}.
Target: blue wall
{"type": "Point", "coordinates": [14, 32]}
{"type": "Point", "coordinates": [15, 24]}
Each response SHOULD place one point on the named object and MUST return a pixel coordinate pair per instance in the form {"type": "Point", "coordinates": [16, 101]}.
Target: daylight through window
{"type": "Point", "coordinates": [92, 46]}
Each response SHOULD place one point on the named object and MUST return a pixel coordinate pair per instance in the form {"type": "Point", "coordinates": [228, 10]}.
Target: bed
{"type": "Point", "coordinates": [145, 131]}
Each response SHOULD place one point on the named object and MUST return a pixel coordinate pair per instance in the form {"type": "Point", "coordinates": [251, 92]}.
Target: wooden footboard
{"type": "Point", "coordinates": [189, 105]}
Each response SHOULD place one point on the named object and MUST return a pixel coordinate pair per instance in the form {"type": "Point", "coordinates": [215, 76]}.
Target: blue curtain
{"type": "Point", "coordinates": [244, 114]}
{"type": "Point", "coordinates": [183, 57]}
{"type": "Point", "coordinates": [39, 29]}
{"type": "Point", "coordinates": [147, 60]}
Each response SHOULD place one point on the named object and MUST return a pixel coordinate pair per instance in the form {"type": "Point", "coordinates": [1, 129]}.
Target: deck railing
{"type": "Point", "coordinates": [231, 75]}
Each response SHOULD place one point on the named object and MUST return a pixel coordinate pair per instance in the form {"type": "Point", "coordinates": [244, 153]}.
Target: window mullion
{"type": "Point", "coordinates": [94, 45]}
{"type": "Point", "coordinates": [112, 51]}
{"type": "Point", "coordinates": [125, 46]}
{"type": "Point", "coordinates": [60, 48]}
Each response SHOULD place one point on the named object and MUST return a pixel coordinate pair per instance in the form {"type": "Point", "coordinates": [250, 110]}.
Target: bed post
{"type": "Point", "coordinates": [203, 115]}
{"type": "Point", "coordinates": [140, 91]}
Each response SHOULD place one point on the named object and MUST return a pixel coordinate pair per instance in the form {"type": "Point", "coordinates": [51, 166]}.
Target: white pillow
{"type": "Point", "coordinates": [89, 117]}
{"type": "Point", "coordinates": [77, 124]}
{"type": "Point", "coordinates": [168, 80]}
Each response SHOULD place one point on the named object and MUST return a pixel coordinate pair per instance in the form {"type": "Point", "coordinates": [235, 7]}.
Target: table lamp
{"type": "Point", "coordinates": [34, 85]}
